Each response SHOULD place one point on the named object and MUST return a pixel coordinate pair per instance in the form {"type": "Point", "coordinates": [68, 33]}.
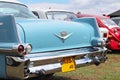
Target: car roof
{"type": "Point", "coordinates": [47, 10]}
{"type": "Point", "coordinates": [13, 1]}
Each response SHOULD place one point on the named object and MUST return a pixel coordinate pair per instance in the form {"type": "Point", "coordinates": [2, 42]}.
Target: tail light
{"type": "Point", "coordinates": [24, 49]}
{"type": "Point", "coordinates": [105, 35]}
{"type": "Point", "coordinates": [28, 48]}
{"type": "Point", "coordinates": [20, 48]}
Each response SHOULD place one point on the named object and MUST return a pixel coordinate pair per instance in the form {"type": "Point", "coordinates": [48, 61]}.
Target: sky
{"type": "Point", "coordinates": [98, 7]}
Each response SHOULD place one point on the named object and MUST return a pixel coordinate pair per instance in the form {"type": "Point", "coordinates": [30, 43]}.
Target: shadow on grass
{"type": "Point", "coordinates": [51, 78]}
{"type": "Point", "coordinates": [114, 52]}
{"type": "Point", "coordinates": [46, 78]}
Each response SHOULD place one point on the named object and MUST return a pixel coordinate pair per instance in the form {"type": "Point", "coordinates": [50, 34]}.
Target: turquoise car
{"type": "Point", "coordinates": [32, 47]}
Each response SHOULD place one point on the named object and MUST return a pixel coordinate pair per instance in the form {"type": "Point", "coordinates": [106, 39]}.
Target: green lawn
{"type": "Point", "coordinates": [110, 70]}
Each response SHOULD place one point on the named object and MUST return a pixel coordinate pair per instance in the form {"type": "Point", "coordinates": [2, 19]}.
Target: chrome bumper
{"type": "Point", "coordinates": [49, 62]}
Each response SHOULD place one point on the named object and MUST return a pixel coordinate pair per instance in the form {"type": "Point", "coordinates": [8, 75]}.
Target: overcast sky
{"type": "Point", "coordinates": [84, 6]}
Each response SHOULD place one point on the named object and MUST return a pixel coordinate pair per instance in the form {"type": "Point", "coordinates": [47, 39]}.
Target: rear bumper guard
{"type": "Point", "coordinates": [52, 68]}
{"type": "Point", "coordinates": [35, 65]}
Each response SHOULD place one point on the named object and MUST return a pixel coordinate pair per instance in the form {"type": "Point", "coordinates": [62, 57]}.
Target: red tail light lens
{"type": "Point", "coordinates": [24, 49]}
{"type": "Point", "coordinates": [20, 48]}
{"type": "Point", "coordinates": [105, 35]}
{"type": "Point", "coordinates": [24, 53]}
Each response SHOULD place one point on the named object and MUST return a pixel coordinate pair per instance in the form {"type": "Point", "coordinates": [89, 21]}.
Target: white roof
{"type": "Point", "coordinates": [46, 10]}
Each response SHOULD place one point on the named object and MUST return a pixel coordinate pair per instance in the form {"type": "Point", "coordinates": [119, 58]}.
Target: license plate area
{"type": "Point", "coordinates": [68, 64]}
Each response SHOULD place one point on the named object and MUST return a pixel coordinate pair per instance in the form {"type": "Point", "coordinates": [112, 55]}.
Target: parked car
{"type": "Point", "coordinates": [116, 20]}
{"type": "Point", "coordinates": [64, 15]}
{"type": "Point", "coordinates": [54, 14]}
{"type": "Point", "coordinates": [32, 47]}
{"type": "Point", "coordinates": [113, 40]}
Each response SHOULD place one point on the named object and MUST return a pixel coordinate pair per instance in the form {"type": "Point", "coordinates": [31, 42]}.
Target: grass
{"type": "Point", "coordinates": [110, 70]}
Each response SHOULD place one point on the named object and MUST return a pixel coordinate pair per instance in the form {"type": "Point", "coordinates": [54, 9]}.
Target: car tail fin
{"type": "Point", "coordinates": [8, 31]}
{"type": "Point", "coordinates": [90, 20]}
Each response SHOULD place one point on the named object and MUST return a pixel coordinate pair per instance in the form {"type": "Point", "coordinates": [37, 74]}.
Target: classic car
{"type": "Point", "coordinates": [116, 20]}
{"type": "Point", "coordinates": [113, 41]}
{"type": "Point", "coordinates": [64, 15]}
{"type": "Point", "coordinates": [54, 14]}
{"type": "Point", "coordinates": [31, 47]}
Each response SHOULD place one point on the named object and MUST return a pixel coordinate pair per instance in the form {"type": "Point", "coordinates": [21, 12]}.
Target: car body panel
{"type": "Point", "coordinates": [2, 67]}
{"type": "Point", "coordinates": [49, 39]}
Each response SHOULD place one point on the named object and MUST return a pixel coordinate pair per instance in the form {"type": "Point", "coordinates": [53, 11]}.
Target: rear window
{"type": "Point", "coordinates": [60, 15]}
{"type": "Point", "coordinates": [108, 22]}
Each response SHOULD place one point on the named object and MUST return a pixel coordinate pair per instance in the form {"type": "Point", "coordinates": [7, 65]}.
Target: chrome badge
{"type": "Point", "coordinates": [63, 35]}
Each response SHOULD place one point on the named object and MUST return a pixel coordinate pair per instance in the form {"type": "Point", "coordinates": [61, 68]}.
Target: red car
{"type": "Point", "coordinates": [113, 29]}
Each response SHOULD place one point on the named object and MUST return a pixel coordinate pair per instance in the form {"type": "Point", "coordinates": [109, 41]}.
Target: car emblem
{"type": "Point", "coordinates": [63, 35]}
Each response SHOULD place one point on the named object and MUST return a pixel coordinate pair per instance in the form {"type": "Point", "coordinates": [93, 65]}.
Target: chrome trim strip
{"type": "Point", "coordinates": [5, 50]}
{"type": "Point", "coordinates": [66, 53]}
